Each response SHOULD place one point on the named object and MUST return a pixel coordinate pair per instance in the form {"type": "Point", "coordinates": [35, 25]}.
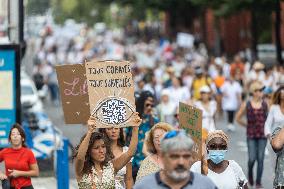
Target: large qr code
{"type": "Point", "coordinates": [114, 111]}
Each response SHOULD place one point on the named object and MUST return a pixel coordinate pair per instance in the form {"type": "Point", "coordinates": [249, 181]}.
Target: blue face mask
{"type": "Point", "coordinates": [217, 156]}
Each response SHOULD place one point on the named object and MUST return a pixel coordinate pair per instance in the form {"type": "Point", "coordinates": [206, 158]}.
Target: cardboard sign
{"type": "Point", "coordinates": [190, 119]}
{"type": "Point", "coordinates": [111, 92]}
{"type": "Point", "coordinates": [185, 40]}
{"type": "Point", "coordinates": [74, 93]}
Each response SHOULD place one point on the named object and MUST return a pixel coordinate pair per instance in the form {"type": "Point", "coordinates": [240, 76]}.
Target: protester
{"type": "Point", "coordinates": [144, 106]}
{"type": "Point", "coordinates": [94, 163]}
{"type": "Point", "coordinates": [219, 82]}
{"type": "Point", "coordinates": [153, 161]}
{"type": "Point", "coordinates": [256, 74]}
{"type": "Point", "coordinates": [275, 122]}
{"type": "Point", "coordinates": [275, 118]}
{"type": "Point", "coordinates": [177, 151]}
{"type": "Point", "coordinates": [256, 111]}
{"type": "Point", "coordinates": [167, 108]}
{"type": "Point", "coordinates": [226, 174]}
{"type": "Point", "coordinates": [231, 100]}
{"type": "Point", "coordinates": [178, 92]}
{"type": "Point", "coordinates": [237, 69]}
{"type": "Point", "coordinates": [123, 178]}
{"type": "Point", "coordinates": [208, 107]}
{"type": "Point", "coordinates": [20, 162]}
{"type": "Point", "coordinates": [199, 81]}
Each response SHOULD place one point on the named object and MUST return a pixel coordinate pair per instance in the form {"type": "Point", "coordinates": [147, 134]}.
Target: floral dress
{"type": "Point", "coordinates": [279, 168]}
{"type": "Point", "coordinates": [147, 167]}
{"type": "Point", "coordinates": [89, 180]}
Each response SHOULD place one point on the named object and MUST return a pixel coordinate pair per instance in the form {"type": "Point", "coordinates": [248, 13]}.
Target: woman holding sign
{"type": "Point", "coordinates": [94, 166]}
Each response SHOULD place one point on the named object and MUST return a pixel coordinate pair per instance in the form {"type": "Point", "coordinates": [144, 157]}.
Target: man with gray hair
{"type": "Point", "coordinates": [177, 153]}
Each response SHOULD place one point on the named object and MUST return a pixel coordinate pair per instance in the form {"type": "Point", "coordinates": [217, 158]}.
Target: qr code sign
{"type": "Point", "coordinates": [114, 111]}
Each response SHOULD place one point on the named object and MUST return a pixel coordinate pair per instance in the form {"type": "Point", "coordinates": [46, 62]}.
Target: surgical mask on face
{"type": "Point", "coordinates": [217, 156]}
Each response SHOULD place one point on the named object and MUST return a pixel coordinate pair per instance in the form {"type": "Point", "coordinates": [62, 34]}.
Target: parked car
{"type": "Point", "coordinates": [29, 96]}
{"type": "Point", "coordinates": [267, 53]}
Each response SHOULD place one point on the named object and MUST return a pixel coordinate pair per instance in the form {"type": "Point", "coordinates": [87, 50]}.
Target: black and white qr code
{"type": "Point", "coordinates": [114, 111]}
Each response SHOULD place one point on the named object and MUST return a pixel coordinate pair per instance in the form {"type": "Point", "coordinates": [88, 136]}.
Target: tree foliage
{"type": "Point", "coordinates": [35, 7]}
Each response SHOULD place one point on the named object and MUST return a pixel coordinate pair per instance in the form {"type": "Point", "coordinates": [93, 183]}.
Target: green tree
{"type": "Point", "coordinates": [180, 12]}
{"type": "Point", "coordinates": [87, 11]}
{"type": "Point", "coordinates": [35, 7]}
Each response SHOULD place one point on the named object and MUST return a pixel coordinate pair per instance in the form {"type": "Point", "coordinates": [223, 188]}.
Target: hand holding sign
{"type": "Point", "coordinates": [190, 119]}
{"type": "Point", "coordinates": [91, 124]}
{"type": "Point", "coordinates": [135, 120]}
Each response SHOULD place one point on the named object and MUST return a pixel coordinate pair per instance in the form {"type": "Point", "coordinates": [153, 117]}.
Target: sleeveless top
{"type": "Point", "coordinates": [256, 120]}
{"type": "Point", "coordinates": [91, 180]}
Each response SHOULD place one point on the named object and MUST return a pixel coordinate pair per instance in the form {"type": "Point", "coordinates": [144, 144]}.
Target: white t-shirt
{"type": "Point", "coordinates": [166, 112]}
{"type": "Point", "coordinates": [208, 115]}
{"type": "Point", "coordinates": [180, 94]}
{"type": "Point", "coordinates": [228, 179]}
{"type": "Point", "coordinates": [253, 76]}
{"type": "Point", "coordinates": [274, 119]}
{"type": "Point", "coordinates": [230, 95]}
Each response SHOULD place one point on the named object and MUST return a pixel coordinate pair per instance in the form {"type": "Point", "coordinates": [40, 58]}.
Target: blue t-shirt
{"type": "Point", "coordinates": [196, 181]}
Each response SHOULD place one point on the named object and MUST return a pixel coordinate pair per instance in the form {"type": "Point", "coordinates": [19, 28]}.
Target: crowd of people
{"type": "Point", "coordinates": [155, 152]}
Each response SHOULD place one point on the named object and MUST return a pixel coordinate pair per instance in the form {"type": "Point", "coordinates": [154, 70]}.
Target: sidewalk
{"type": "Point", "coordinates": [50, 182]}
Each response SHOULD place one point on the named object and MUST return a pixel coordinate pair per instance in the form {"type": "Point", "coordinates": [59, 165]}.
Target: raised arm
{"type": "Point", "coordinates": [240, 114]}
{"type": "Point", "coordinates": [80, 158]}
{"type": "Point", "coordinates": [122, 160]}
{"type": "Point", "coordinates": [128, 176]}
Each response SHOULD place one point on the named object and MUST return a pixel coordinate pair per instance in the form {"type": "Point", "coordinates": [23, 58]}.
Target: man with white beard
{"type": "Point", "coordinates": [177, 151]}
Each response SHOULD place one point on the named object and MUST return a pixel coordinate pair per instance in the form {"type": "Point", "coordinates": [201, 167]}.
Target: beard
{"type": "Point", "coordinates": [178, 174]}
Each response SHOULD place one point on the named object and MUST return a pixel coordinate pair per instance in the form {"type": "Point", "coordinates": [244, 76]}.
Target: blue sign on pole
{"type": "Point", "coordinates": [8, 92]}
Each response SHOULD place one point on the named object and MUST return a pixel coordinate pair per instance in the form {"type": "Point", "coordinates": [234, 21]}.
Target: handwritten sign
{"type": "Point", "coordinates": [74, 93]}
{"type": "Point", "coordinates": [190, 119]}
{"type": "Point", "coordinates": [111, 92]}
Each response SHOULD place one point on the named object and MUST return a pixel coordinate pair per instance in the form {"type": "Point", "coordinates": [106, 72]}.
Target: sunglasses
{"type": "Point", "coordinates": [217, 147]}
{"type": "Point", "coordinates": [149, 105]}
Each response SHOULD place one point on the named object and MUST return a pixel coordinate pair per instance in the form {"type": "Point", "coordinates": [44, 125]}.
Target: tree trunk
{"type": "Point", "coordinates": [254, 35]}
{"type": "Point", "coordinates": [217, 45]}
{"type": "Point", "coordinates": [278, 32]}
